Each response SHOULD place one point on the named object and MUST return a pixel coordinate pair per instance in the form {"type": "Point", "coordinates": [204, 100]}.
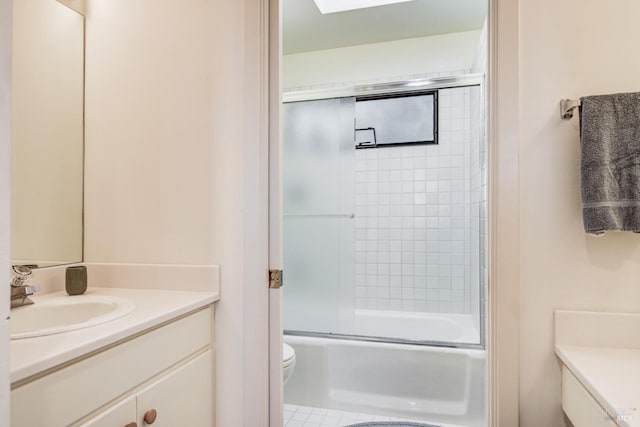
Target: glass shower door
{"type": "Point", "coordinates": [318, 198]}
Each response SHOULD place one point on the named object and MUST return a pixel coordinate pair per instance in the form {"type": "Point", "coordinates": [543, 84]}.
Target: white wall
{"type": "Point", "coordinates": [5, 156]}
{"type": "Point", "coordinates": [382, 62]}
{"type": "Point", "coordinates": [481, 57]}
{"type": "Point", "coordinates": [176, 169]}
{"type": "Point", "coordinates": [567, 50]}
{"type": "Point", "coordinates": [149, 132]}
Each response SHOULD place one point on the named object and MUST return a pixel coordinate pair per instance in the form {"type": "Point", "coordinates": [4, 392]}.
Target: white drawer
{"type": "Point", "coordinates": [581, 408]}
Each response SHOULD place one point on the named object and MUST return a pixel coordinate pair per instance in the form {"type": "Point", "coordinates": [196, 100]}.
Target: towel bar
{"type": "Point", "coordinates": [567, 106]}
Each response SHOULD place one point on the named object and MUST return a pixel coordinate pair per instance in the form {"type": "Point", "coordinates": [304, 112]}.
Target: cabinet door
{"type": "Point", "coordinates": [119, 415]}
{"type": "Point", "coordinates": [183, 398]}
{"type": "Point", "coordinates": [581, 408]}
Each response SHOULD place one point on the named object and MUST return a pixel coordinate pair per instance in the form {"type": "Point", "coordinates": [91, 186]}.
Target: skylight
{"type": "Point", "coordinates": [333, 6]}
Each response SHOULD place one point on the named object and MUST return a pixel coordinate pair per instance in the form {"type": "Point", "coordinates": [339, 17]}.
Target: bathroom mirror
{"type": "Point", "coordinates": [47, 133]}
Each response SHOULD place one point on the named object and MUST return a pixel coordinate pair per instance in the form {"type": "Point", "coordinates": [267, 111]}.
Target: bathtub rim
{"type": "Point", "coordinates": [385, 340]}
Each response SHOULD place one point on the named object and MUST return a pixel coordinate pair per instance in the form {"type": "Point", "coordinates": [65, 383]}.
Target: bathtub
{"type": "Point", "coordinates": [426, 383]}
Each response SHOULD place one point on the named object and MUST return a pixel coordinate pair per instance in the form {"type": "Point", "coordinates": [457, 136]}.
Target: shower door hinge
{"type": "Point", "coordinates": [275, 279]}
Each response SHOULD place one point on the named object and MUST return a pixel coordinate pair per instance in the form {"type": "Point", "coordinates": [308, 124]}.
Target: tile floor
{"type": "Point", "coordinates": [305, 416]}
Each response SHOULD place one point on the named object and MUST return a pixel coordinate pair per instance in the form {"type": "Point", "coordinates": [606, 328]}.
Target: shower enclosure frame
{"type": "Point", "coordinates": [399, 88]}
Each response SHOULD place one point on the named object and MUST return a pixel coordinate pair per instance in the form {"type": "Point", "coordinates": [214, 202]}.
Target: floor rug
{"type": "Point", "coordinates": [391, 424]}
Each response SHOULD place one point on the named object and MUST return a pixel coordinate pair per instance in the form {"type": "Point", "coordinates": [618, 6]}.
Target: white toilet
{"type": "Point", "coordinates": [288, 361]}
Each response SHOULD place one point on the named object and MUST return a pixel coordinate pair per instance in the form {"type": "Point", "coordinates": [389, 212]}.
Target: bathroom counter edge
{"type": "Point", "coordinates": [32, 356]}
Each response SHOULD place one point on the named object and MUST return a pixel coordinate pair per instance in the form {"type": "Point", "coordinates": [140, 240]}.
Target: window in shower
{"type": "Point", "coordinates": [385, 244]}
{"type": "Point", "coordinates": [396, 119]}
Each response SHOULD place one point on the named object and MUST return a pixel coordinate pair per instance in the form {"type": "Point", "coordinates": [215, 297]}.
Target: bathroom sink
{"type": "Point", "coordinates": [66, 313]}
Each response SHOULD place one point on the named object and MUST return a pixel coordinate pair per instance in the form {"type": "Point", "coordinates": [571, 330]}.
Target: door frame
{"type": "Point", "coordinates": [502, 296]}
{"type": "Point", "coordinates": [6, 21]}
{"type": "Point", "coordinates": [503, 293]}
{"type": "Point", "coordinates": [276, 383]}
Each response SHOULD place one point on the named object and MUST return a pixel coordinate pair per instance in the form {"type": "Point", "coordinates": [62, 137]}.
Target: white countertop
{"type": "Point", "coordinates": [611, 375]}
{"type": "Point", "coordinates": [31, 356]}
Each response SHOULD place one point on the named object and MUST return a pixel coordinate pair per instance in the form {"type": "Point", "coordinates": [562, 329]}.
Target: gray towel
{"type": "Point", "coordinates": [610, 139]}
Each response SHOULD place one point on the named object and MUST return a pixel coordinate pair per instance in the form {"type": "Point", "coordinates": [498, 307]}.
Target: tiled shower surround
{"type": "Point", "coordinates": [416, 207]}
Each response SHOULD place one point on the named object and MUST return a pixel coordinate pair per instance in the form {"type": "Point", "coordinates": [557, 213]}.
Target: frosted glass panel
{"type": "Point", "coordinates": [312, 256]}
{"type": "Point", "coordinates": [398, 120]}
{"type": "Point", "coordinates": [318, 190]}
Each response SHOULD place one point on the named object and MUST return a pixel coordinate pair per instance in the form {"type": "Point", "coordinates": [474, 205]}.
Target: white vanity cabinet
{"type": "Point", "coordinates": [166, 371]}
{"type": "Point", "coordinates": [180, 398]}
{"type": "Point", "coordinates": [581, 408]}
{"type": "Point", "coordinates": [600, 355]}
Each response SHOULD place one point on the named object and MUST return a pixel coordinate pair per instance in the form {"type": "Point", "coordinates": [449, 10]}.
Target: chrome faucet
{"type": "Point", "coordinates": [20, 290]}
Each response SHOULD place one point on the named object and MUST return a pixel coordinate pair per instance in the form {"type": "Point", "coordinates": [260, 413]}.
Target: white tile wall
{"type": "Point", "coordinates": [413, 218]}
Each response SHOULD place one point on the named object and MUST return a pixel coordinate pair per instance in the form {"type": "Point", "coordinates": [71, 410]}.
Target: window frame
{"type": "Point", "coordinates": [433, 92]}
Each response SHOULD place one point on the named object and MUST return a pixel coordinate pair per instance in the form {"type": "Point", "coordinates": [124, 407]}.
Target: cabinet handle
{"type": "Point", "coordinates": [150, 416]}
{"type": "Point", "coordinates": [132, 425]}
